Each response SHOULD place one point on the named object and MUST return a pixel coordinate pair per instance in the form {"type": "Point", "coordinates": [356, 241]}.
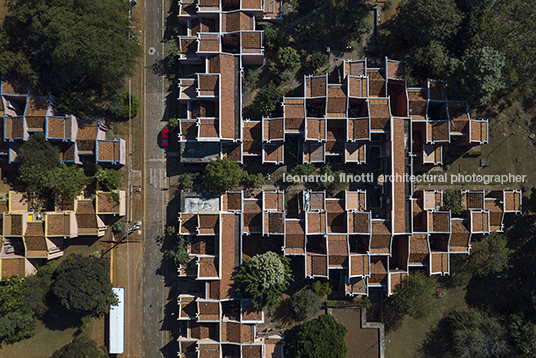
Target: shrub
{"type": "Point", "coordinates": [317, 61]}
{"type": "Point", "coordinates": [118, 227]}
{"type": "Point", "coordinates": [452, 200]}
{"type": "Point", "coordinates": [223, 174]}
{"type": "Point", "coordinates": [187, 181]}
{"type": "Point", "coordinates": [125, 105]}
{"type": "Point", "coordinates": [253, 180]}
{"type": "Point", "coordinates": [305, 303]}
{"type": "Point", "coordinates": [323, 289]}
{"type": "Point", "coordinates": [321, 338]}
{"type": "Point", "coordinates": [173, 123]}
{"type": "Point", "coordinates": [179, 255]}
{"type": "Point", "coordinates": [288, 58]}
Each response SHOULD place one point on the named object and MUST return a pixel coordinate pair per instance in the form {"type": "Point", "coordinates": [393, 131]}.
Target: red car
{"type": "Point", "coordinates": [165, 140]}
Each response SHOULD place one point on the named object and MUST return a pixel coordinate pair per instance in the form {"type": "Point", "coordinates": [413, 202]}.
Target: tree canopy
{"type": "Point", "coordinates": [417, 296]}
{"type": "Point", "coordinates": [39, 158]}
{"type": "Point", "coordinates": [321, 338]}
{"type": "Point", "coordinates": [68, 181]}
{"type": "Point", "coordinates": [125, 105]}
{"type": "Point", "coordinates": [223, 174]}
{"type": "Point", "coordinates": [107, 179]}
{"type": "Point", "coordinates": [79, 50]}
{"type": "Point", "coordinates": [83, 286]}
{"type": "Point", "coordinates": [490, 254]}
{"type": "Point", "coordinates": [305, 303]}
{"type": "Point", "coordinates": [264, 278]}
{"type": "Point", "coordinates": [452, 200]}
{"type": "Point", "coordinates": [81, 347]}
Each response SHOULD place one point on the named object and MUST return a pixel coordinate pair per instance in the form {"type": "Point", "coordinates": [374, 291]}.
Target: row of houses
{"type": "Point", "coordinates": [31, 233]}
{"type": "Point", "coordinates": [23, 113]}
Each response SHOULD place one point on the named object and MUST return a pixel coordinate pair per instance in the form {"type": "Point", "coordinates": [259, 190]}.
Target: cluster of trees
{"type": "Point", "coordinates": [328, 179]}
{"type": "Point", "coordinates": [179, 253]}
{"type": "Point", "coordinates": [479, 47]}
{"type": "Point", "coordinates": [81, 347]}
{"type": "Point", "coordinates": [80, 51]}
{"type": "Point", "coordinates": [264, 278]}
{"type": "Point", "coordinates": [42, 173]}
{"type": "Point", "coordinates": [81, 285]}
{"type": "Point", "coordinates": [225, 174]}
{"type": "Point", "coordinates": [322, 337]}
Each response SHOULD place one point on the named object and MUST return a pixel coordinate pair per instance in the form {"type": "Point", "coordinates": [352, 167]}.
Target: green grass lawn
{"type": "Point", "coordinates": [406, 341]}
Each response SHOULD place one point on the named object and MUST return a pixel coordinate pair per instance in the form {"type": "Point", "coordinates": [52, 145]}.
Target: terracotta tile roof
{"type": "Point", "coordinates": [13, 266]}
{"type": "Point", "coordinates": [249, 312]}
{"type": "Point", "coordinates": [208, 351]}
{"type": "Point", "coordinates": [208, 224]}
{"type": "Point", "coordinates": [474, 200]}
{"type": "Point", "coordinates": [459, 117]}
{"type": "Point", "coordinates": [202, 245]}
{"type": "Point", "coordinates": [232, 151]}
{"type": "Point", "coordinates": [208, 310]}
{"type": "Point", "coordinates": [357, 86]}
{"type": "Point", "coordinates": [208, 83]}
{"type": "Point", "coordinates": [57, 224]}
{"type": "Point", "coordinates": [418, 249]}
{"type": "Point", "coordinates": [251, 40]}
{"type": "Point", "coordinates": [208, 128]}
{"type": "Point", "coordinates": [357, 285]}
{"type": "Point", "coordinates": [274, 222]}
{"type": "Point", "coordinates": [109, 150]}
{"type": "Point", "coordinates": [358, 223]}
{"type": "Point", "coordinates": [229, 230]}
{"type": "Point", "coordinates": [376, 83]}
{"type": "Point", "coordinates": [188, 45]}
{"type": "Point", "coordinates": [13, 224]}
{"type": "Point", "coordinates": [478, 131]}
{"type": "Point", "coordinates": [273, 152]}
{"type": "Point", "coordinates": [460, 233]}
{"type": "Point", "coordinates": [395, 69]}
{"type": "Point", "coordinates": [58, 127]}
{"type": "Point", "coordinates": [417, 103]}
{"type": "Point", "coordinates": [397, 279]}
{"type": "Point", "coordinates": [316, 128]}
{"type": "Point", "coordinates": [358, 128]}
{"type": "Point", "coordinates": [399, 167]}
{"type": "Point", "coordinates": [188, 224]}
{"type": "Point", "coordinates": [381, 235]}
{"type": "Point", "coordinates": [496, 213]}
{"type": "Point", "coordinates": [316, 222]}
{"type": "Point", "coordinates": [252, 216]}
{"type": "Point", "coordinates": [252, 351]}
{"type": "Point", "coordinates": [440, 130]}
{"type": "Point", "coordinates": [512, 201]}
{"type": "Point", "coordinates": [337, 99]}
{"type": "Point", "coordinates": [87, 130]}
{"type": "Point", "coordinates": [208, 43]}
{"type": "Point", "coordinates": [204, 330]}
{"type": "Point", "coordinates": [273, 201]}
{"type": "Point", "coordinates": [338, 250]}
{"type": "Point", "coordinates": [228, 99]}
{"type": "Point", "coordinates": [294, 112]}
{"type": "Point", "coordinates": [208, 2]}
{"type": "Point", "coordinates": [317, 200]}
{"type": "Point", "coordinates": [35, 123]}
{"type": "Point", "coordinates": [439, 262]}
{"type": "Point", "coordinates": [379, 114]}
{"type": "Point", "coordinates": [236, 332]}
{"type": "Point", "coordinates": [378, 271]}
{"type": "Point", "coordinates": [237, 21]}
{"type": "Point", "coordinates": [317, 265]}
{"type": "Point", "coordinates": [233, 201]}
{"type": "Point", "coordinates": [251, 4]}
{"type": "Point", "coordinates": [316, 86]}
{"type": "Point", "coordinates": [273, 128]}
{"type": "Point", "coordinates": [359, 265]}
{"type": "Point", "coordinates": [37, 106]}
{"type": "Point", "coordinates": [252, 137]}
{"type": "Point", "coordinates": [479, 221]}
{"type": "Point", "coordinates": [188, 129]}
{"type": "Point", "coordinates": [207, 267]}
{"type": "Point", "coordinates": [294, 234]}
{"type": "Point", "coordinates": [35, 228]}
{"type": "Point", "coordinates": [439, 221]}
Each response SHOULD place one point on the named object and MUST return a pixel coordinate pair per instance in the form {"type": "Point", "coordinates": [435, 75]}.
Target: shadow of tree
{"type": "Point", "coordinates": [437, 342]}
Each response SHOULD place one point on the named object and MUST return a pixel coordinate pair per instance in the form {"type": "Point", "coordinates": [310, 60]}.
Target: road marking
{"type": "Point", "coordinates": [157, 160]}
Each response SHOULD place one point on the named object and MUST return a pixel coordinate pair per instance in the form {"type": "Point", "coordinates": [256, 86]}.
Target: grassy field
{"type": "Point", "coordinates": [407, 340]}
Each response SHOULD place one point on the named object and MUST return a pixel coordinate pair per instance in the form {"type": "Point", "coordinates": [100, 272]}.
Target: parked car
{"type": "Point", "coordinates": [165, 139]}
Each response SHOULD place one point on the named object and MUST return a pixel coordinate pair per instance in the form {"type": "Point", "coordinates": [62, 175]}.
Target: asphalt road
{"type": "Point", "coordinates": [157, 323]}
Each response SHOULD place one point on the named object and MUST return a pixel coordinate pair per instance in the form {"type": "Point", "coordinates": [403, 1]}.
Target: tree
{"type": "Point", "coordinates": [187, 180]}
{"type": "Point", "coordinates": [273, 35]}
{"type": "Point", "coordinates": [81, 347]}
{"type": "Point", "coordinates": [16, 321]}
{"type": "Point", "coordinates": [179, 254]}
{"type": "Point", "coordinates": [321, 338]}
{"type": "Point", "coordinates": [107, 179]}
{"type": "Point", "coordinates": [431, 61]}
{"type": "Point", "coordinates": [478, 77]}
{"type": "Point", "coordinates": [288, 58]}
{"type": "Point", "coordinates": [305, 303]}
{"type": "Point", "coordinates": [489, 255]}
{"type": "Point", "coordinates": [323, 289]}
{"type": "Point", "coordinates": [417, 296]}
{"type": "Point", "coordinates": [80, 50]}
{"type": "Point", "coordinates": [475, 334]}
{"type": "Point", "coordinates": [38, 158]}
{"type": "Point", "coordinates": [173, 123]}
{"type": "Point", "coordinates": [452, 200]}
{"type": "Point", "coordinates": [421, 21]}
{"type": "Point", "coordinates": [36, 288]}
{"type": "Point", "coordinates": [264, 278]}
{"type": "Point", "coordinates": [523, 335]}
{"type": "Point", "coordinates": [82, 285]}
{"type": "Point", "coordinates": [267, 100]}
{"type": "Point", "coordinates": [317, 61]}
{"type": "Point", "coordinates": [67, 181]}
{"type": "Point", "coordinates": [223, 174]}
{"type": "Point", "coordinates": [253, 180]}
{"type": "Point", "coordinates": [125, 105]}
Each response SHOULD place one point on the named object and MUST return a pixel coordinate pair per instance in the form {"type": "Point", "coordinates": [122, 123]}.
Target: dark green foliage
{"type": "Point", "coordinates": [303, 169]}
{"type": "Point", "coordinates": [523, 335]}
{"type": "Point", "coordinates": [421, 21]}
{"type": "Point", "coordinates": [452, 200]}
{"type": "Point", "coordinates": [317, 61]}
{"type": "Point", "coordinates": [67, 181]}
{"type": "Point", "coordinates": [36, 288]}
{"type": "Point", "coordinates": [331, 180]}
{"type": "Point", "coordinates": [86, 320]}
{"type": "Point", "coordinates": [252, 78]}
{"type": "Point", "coordinates": [475, 334]}
{"type": "Point", "coordinates": [223, 174]}
{"type": "Point", "coordinates": [79, 50]}
{"type": "Point", "coordinates": [305, 303]}
{"type": "Point", "coordinates": [107, 179]}
{"type": "Point", "coordinates": [39, 158]}
{"type": "Point", "coordinates": [253, 180]}
{"type": "Point", "coordinates": [81, 347]}
{"type": "Point", "coordinates": [489, 255]}
{"type": "Point", "coordinates": [118, 227]}
{"type": "Point", "coordinates": [323, 289]}
{"type": "Point", "coordinates": [321, 338]}
{"type": "Point", "coordinates": [179, 255]}
{"type": "Point", "coordinates": [417, 296]}
{"type": "Point", "coordinates": [263, 278]}
{"type": "Point", "coordinates": [289, 58]}
{"type": "Point", "coordinates": [478, 76]}
{"type": "Point", "coordinates": [125, 105]}
{"type": "Point", "coordinates": [431, 61]}
{"type": "Point", "coordinates": [82, 285]}
{"type": "Point", "coordinates": [188, 180]}
{"type": "Point", "coordinates": [16, 320]}
{"type": "Point", "coordinates": [267, 100]}
{"type": "Point", "coordinates": [273, 35]}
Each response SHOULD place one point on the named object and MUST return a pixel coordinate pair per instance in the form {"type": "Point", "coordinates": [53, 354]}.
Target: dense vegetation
{"type": "Point", "coordinates": [264, 278]}
{"type": "Point", "coordinates": [81, 51]}
{"type": "Point", "coordinates": [81, 347]}
{"type": "Point", "coordinates": [320, 338]}
{"type": "Point", "coordinates": [305, 303]}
